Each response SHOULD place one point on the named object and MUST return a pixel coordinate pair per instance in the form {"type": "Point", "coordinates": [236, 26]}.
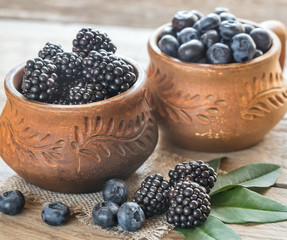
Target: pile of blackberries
{"type": "Point", "coordinates": [91, 73]}
{"type": "Point", "coordinates": [218, 38]}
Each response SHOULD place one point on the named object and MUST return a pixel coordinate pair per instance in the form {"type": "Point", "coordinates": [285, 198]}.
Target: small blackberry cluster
{"type": "Point", "coordinates": [88, 39]}
{"type": "Point", "coordinates": [195, 171]}
{"type": "Point", "coordinates": [40, 80]}
{"type": "Point", "coordinates": [152, 196]}
{"type": "Point", "coordinates": [189, 205]}
{"type": "Point", "coordinates": [91, 73]}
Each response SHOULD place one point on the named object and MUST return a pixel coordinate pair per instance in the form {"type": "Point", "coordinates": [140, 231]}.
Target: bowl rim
{"type": "Point", "coordinates": [153, 47]}
{"type": "Point", "coordinates": [11, 90]}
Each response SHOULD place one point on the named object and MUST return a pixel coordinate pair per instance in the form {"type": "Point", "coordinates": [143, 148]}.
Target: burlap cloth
{"type": "Point", "coordinates": [81, 204]}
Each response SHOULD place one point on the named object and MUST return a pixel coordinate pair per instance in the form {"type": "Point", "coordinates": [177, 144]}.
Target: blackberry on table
{"type": "Point", "coordinates": [195, 171]}
{"type": "Point", "coordinates": [109, 70]}
{"type": "Point", "coordinates": [189, 205]}
{"type": "Point", "coordinates": [89, 39]}
{"type": "Point", "coordinates": [152, 196]}
{"type": "Point", "coordinates": [50, 50]}
{"type": "Point", "coordinates": [40, 80]}
{"type": "Point", "coordinates": [69, 65]}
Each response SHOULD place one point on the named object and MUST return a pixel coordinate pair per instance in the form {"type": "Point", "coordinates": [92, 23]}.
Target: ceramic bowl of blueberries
{"type": "Point", "coordinates": [215, 81]}
{"type": "Point", "coordinates": [73, 120]}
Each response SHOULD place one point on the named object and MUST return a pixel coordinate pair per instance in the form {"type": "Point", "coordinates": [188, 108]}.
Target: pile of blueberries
{"type": "Point", "coordinates": [218, 38]}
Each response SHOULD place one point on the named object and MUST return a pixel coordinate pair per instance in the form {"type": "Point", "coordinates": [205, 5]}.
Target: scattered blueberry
{"type": "Point", "coordinates": [105, 214]}
{"type": "Point", "coordinates": [12, 202]}
{"type": "Point", "coordinates": [211, 21]}
{"type": "Point", "coordinates": [130, 216]}
{"type": "Point", "coordinates": [226, 16]}
{"type": "Point", "coordinates": [187, 34]}
{"type": "Point", "coordinates": [191, 51]}
{"type": "Point", "coordinates": [116, 191]}
{"type": "Point", "coordinates": [167, 31]}
{"type": "Point", "coordinates": [229, 28]}
{"type": "Point", "coordinates": [219, 53]}
{"type": "Point", "coordinates": [258, 53]}
{"type": "Point", "coordinates": [55, 214]}
{"type": "Point", "coordinates": [262, 39]}
{"type": "Point", "coordinates": [243, 47]}
{"type": "Point", "coordinates": [183, 19]}
{"type": "Point", "coordinates": [248, 27]}
{"type": "Point", "coordinates": [219, 10]}
{"type": "Point", "coordinates": [210, 37]}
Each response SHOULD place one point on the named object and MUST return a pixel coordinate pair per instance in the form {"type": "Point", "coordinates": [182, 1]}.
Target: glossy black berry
{"type": "Point", "coordinates": [169, 45]}
{"type": "Point", "coordinates": [12, 202]}
{"type": "Point", "coordinates": [219, 53]}
{"type": "Point", "coordinates": [262, 39]}
{"type": "Point", "coordinates": [243, 47]}
{"type": "Point", "coordinates": [209, 38]}
{"type": "Point", "coordinates": [116, 191]}
{"type": "Point", "coordinates": [50, 50]}
{"type": "Point", "coordinates": [187, 34]}
{"type": "Point", "coordinates": [40, 80]}
{"type": "Point", "coordinates": [248, 27]}
{"type": "Point", "coordinates": [152, 196]}
{"type": "Point", "coordinates": [105, 213]}
{"type": "Point", "coordinates": [183, 19]}
{"type": "Point", "coordinates": [55, 214]}
{"type": "Point", "coordinates": [167, 31]}
{"type": "Point", "coordinates": [130, 216]}
{"type": "Point", "coordinates": [89, 39]}
{"type": "Point", "coordinates": [211, 21]}
{"type": "Point", "coordinates": [69, 66]}
{"type": "Point", "coordinates": [195, 171]}
{"type": "Point", "coordinates": [189, 205]}
{"type": "Point", "coordinates": [191, 51]}
{"type": "Point", "coordinates": [229, 28]}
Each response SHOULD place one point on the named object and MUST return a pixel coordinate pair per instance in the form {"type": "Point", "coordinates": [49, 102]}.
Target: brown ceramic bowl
{"type": "Point", "coordinates": [218, 108]}
{"type": "Point", "coordinates": [75, 149]}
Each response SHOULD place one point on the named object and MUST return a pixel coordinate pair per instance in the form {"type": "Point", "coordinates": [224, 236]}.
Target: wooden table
{"type": "Point", "coordinates": [20, 41]}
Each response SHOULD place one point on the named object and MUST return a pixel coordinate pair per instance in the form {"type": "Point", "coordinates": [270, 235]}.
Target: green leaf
{"type": "Point", "coordinates": [241, 205]}
{"type": "Point", "coordinates": [212, 229]}
{"type": "Point", "coordinates": [252, 175]}
{"type": "Point", "coordinates": [215, 163]}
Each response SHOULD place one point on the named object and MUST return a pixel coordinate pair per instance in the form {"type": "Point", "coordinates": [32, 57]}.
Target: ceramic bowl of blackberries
{"type": "Point", "coordinates": [215, 80]}
{"type": "Point", "coordinates": [74, 119]}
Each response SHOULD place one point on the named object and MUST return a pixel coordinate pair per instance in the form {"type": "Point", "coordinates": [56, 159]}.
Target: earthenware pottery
{"type": "Point", "coordinates": [75, 149]}
{"type": "Point", "coordinates": [218, 108]}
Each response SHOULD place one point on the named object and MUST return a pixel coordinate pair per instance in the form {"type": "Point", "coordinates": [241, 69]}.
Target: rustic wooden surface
{"type": "Point", "coordinates": [20, 40]}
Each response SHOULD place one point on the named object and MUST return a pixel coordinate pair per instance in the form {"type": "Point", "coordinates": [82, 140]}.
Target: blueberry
{"type": "Point", "coordinates": [183, 19]}
{"type": "Point", "coordinates": [211, 21]}
{"type": "Point", "coordinates": [226, 16]}
{"type": "Point", "coordinates": [191, 51]}
{"type": "Point", "coordinates": [187, 34]}
{"type": "Point", "coordinates": [203, 60]}
{"type": "Point", "coordinates": [258, 53]}
{"type": "Point", "coordinates": [197, 13]}
{"type": "Point", "coordinates": [196, 26]}
{"type": "Point", "coordinates": [219, 10]}
{"type": "Point", "coordinates": [262, 39]}
{"type": "Point", "coordinates": [115, 190]}
{"type": "Point", "coordinates": [243, 47]}
{"type": "Point", "coordinates": [219, 53]}
{"type": "Point", "coordinates": [131, 217]}
{"type": "Point", "coordinates": [105, 214]}
{"type": "Point", "coordinates": [55, 214]}
{"type": "Point", "coordinates": [248, 27]}
{"type": "Point", "coordinates": [167, 31]}
{"type": "Point", "coordinates": [209, 38]}
{"type": "Point", "coordinates": [229, 28]}
{"type": "Point", "coordinates": [12, 202]}
{"type": "Point", "coordinates": [169, 45]}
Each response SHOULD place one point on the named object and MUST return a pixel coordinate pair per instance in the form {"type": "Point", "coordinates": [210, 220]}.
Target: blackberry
{"type": "Point", "coordinates": [85, 93]}
{"type": "Point", "coordinates": [195, 171]}
{"type": "Point", "coordinates": [109, 70]}
{"type": "Point", "coordinates": [50, 50]}
{"type": "Point", "coordinates": [189, 205]}
{"type": "Point", "coordinates": [89, 39]}
{"type": "Point", "coordinates": [40, 80]}
{"type": "Point", "coordinates": [152, 196]}
{"type": "Point", "coordinates": [69, 66]}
